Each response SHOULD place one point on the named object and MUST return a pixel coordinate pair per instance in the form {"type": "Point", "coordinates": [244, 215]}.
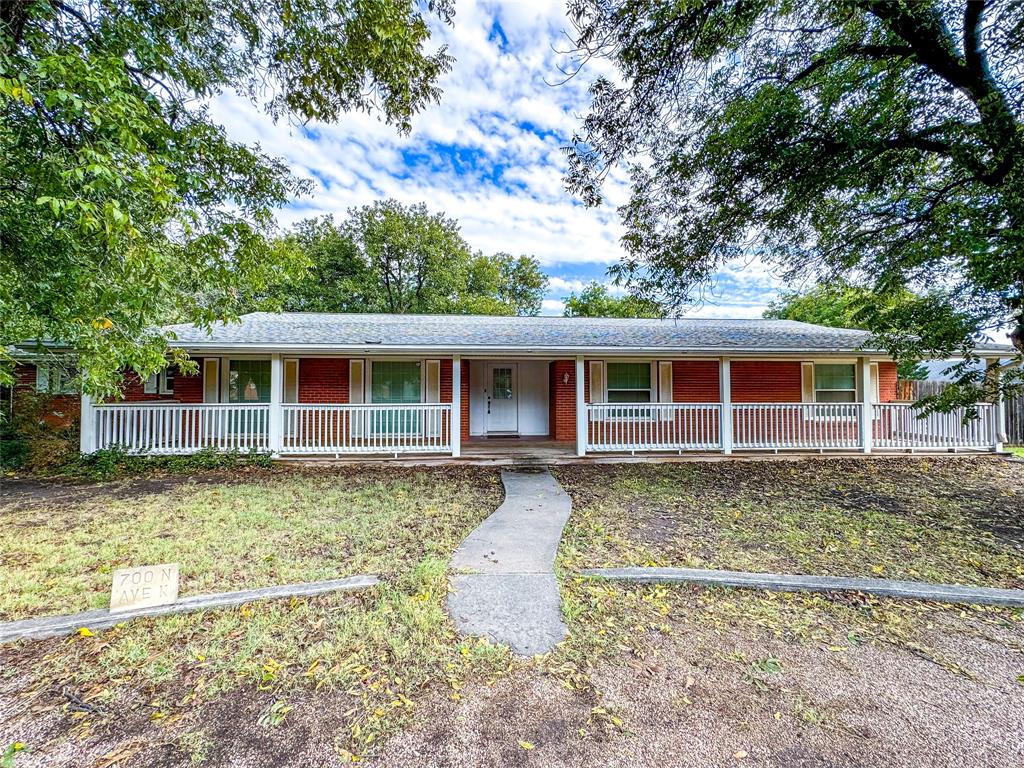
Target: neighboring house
{"type": "Point", "coordinates": [338, 384]}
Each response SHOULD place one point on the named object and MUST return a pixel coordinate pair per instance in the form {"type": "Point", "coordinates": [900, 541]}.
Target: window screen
{"type": "Point", "coordinates": [249, 381]}
{"type": "Point", "coordinates": [835, 383]}
{"type": "Point", "coordinates": [395, 382]}
{"type": "Point", "coordinates": [629, 382]}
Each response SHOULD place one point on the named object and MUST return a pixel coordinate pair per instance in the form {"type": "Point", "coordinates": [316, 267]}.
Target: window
{"type": "Point", "coordinates": [249, 381]}
{"type": "Point", "coordinates": [393, 381]}
{"type": "Point", "coordinates": [56, 380]}
{"type": "Point", "coordinates": [835, 383]}
{"type": "Point", "coordinates": [162, 382]}
{"type": "Point", "coordinates": [629, 382]}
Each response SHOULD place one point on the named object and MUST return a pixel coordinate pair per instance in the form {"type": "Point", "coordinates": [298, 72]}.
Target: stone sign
{"type": "Point", "coordinates": [144, 587]}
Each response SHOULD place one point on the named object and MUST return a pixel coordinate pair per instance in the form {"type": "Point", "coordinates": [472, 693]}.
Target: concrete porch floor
{"type": "Point", "coordinates": [528, 451]}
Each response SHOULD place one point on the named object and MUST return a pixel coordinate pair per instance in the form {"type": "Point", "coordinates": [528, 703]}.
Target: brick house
{"type": "Point", "coordinates": [339, 384]}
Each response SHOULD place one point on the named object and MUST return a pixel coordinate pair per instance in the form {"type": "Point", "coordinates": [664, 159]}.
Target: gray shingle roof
{"type": "Point", "coordinates": [473, 332]}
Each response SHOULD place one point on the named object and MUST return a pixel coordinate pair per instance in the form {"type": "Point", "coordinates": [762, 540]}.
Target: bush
{"type": "Point", "coordinates": [116, 462]}
{"type": "Point", "coordinates": [30, 439]}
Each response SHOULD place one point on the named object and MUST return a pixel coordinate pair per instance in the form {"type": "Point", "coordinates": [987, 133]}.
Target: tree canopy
{"type": "Point", "coordinates": [387, 257]}
{"type": "Point", "coordinates": [595, 300]}
{"type": "Point", "coordinates": [841, 305]}
{"type": "Point", "coordinates": [876, 140]}
{"type": "Point", "coordinates": [123, 206]}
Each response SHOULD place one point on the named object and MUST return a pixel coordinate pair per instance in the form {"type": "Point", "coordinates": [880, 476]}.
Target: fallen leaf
{"type": "Point", "coordinates": [85, 632]}
{"type": "Point", "coordinates": [526, 744]}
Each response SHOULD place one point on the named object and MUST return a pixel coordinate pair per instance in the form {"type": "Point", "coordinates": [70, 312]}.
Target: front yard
{"type": "Point", "coordinates": [683, 676]}
{"type": "Point", "coordinates": [61, 543]}
{"type": "Point", "coordinates": [941, 520]}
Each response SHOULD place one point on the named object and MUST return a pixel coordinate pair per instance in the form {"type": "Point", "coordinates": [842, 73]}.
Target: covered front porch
{"type": "Point", "coordinates": [530, 406]}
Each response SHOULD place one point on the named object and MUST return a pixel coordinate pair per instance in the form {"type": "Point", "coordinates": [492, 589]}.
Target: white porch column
{"type": "Point", "coordinates": [581, 409]}
{"type": "Point", "coordinates": [998, 406]}
{"type": "Point", "coordinates": [725, 396]}
{"type": "Point", "coordinates": [87, 443]}
{"type": "Point", "coordinates": [275, 426]}
{"type": "Point", "coordinates": [456, 406]}
{"type": "Point", "coordinates": [867, 413]}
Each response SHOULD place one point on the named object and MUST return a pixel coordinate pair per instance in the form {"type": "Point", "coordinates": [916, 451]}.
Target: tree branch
{"type": "Point", "coordinates": [872, 52]}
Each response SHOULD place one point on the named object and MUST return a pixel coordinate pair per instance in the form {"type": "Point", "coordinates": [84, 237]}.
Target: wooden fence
{"type": "Point", "coordinates": [915, 390]}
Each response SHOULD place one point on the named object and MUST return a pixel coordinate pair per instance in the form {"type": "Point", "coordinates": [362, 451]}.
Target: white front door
{"type": "Point", "coordinates": [502, 397]}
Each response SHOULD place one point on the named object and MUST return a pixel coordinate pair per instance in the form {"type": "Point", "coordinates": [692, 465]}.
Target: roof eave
{"type": "Point", "coordinates": [533, 350]}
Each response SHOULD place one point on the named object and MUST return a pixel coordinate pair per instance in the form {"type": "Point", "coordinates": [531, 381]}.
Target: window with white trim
{"type": "Point", "coordinates": [628, 382]}
{"type": "Point", "coordinates": [835, 383]}
{"type": "Point", "coordinates": [56, 380]}
{"type": "Point", "coordinates": [161, 382]}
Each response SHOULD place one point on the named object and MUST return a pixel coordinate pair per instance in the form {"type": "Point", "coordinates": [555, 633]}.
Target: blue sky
{"type": "Point", "coordinates": [489, 155]}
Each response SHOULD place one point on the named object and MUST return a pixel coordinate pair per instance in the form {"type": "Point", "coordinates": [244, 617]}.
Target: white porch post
{"type": "Point", "coordinates": [456, 406]}
{"type": "Point", "coordinates": [998, 407]}
{"type": "Point", "coordinates": [87, 443]}
{"type": "Point", "coordinates": [725, 395]}
{"type": "Point", "coordinates": [581, 409]}
{"type": "Point", "coordinates": [275, 426]}
{"type": "Point", "coordinates": [866, 407]}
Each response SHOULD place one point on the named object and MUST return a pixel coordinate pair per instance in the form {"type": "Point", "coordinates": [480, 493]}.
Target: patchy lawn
{"type": "Point", "coordinates": [1016, 450]}
{"type": "Point", "coordinates": [649, 676]}
{"type": "Point", "coordinates": [936, 519]}
{"type": "Point", "coordinates": [60, 543]}
{"type": "Point", "coordinates": [176, 688]}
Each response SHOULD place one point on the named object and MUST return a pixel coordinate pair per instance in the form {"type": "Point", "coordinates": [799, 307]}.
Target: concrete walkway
{"type": "Point", "coordinates": [504, 583]}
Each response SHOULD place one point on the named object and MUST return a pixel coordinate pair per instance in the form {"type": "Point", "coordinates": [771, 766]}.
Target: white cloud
{"type": "Point", "coordinates": [552, 307]}
{"type": "Point", "coordinates": [489, 154]}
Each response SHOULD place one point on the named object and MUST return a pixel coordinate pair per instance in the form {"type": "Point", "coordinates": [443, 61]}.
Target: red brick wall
{"type": "Point", "coordinates": [766, 381]}
{"type": "Point", "coordinates": [445, 382]}
{"type": "Point", "coordinates": [886, 382]}
{"type": "Point", "coordinates": [562, 403]}
{"type": "Point", "coordinates": [62, 410]}
{"type": "Point", "coordinates": [695, 381]}
{"type": "Point", "coordinates": [323, 380]}
{"type": "Point", "coordinates": [187, 389]}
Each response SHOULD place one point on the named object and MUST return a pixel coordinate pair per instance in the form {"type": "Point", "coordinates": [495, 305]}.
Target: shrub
{"type": "Point", "coordinates": [116, 462]}
{"type": "Point", "coordinates": [31, 438]}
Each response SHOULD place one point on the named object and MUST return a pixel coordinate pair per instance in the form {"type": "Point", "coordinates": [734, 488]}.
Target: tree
{"type": "Point", "coordinates": [122, 205]}
{"type": "Point", "coordinates": [878, 140]}
{"type": "Point", "coordinates": [841, 305]}
{"type": "Point", "coordinates": [595, 300]}
{"type": "Point", "coordinates": [387, 257]}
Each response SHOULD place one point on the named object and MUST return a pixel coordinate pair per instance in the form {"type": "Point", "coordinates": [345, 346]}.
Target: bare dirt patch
{"type": "Point", "coordinates": [699, 695]}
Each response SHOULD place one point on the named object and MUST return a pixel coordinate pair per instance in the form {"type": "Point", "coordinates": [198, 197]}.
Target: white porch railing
{"type": "Point", "coordinates": [338, 429]}
{"type": "Point", "coordinates": [787, 426]}
{"type": "Point", "coordinates": [156, 428]}
{"type": "Point", "coordinates": [654, 426]}
{"type": "Point", "coordinates": [901, 426]}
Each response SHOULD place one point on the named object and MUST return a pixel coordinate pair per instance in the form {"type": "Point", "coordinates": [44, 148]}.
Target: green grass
{"type": "Point", "coordinates": [1016, 450]}
{"type": "Point", "coordinates": [383, 647]}
{"type": "Point", "coordinates": [934, 520]}
{"type": "Point", "coordinates": [267, 528]}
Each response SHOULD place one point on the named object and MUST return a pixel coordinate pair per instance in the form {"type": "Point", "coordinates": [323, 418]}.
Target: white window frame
{"type": "Point", "coordinates": [61, 384]}
{"type": "Point", "coordinates": [368, 392]}
{"type": "Point", "coordinates": [156, 384]}
{"type": "Point", "coordinates": [652, 391]}
{"type": "Point", "coordinates": [816, 390]}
